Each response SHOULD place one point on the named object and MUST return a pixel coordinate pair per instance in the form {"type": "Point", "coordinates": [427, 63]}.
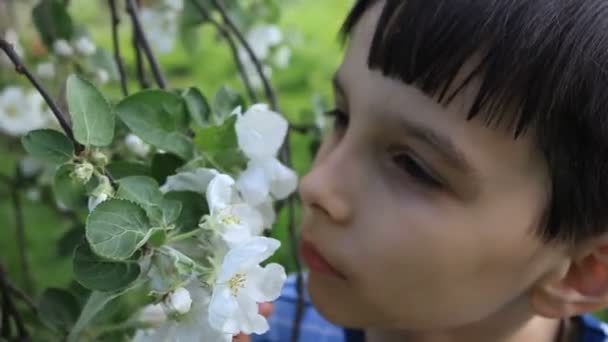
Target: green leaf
{"type": "Point", "coordinates": [121, 169]}
{"type": "Point", "coordinates": [92, 116]}
{"type": "Point", "coordinates": [226, 100]}
{"type": "Point", "coordinates": [117, 228]}
{"type": "Point", "coordinates": [197, 106]}
{"type": "Point", "coordinates": [218, 138]}
{"type": "Point", "coordinates": [48, 145]}
{"type": "Point", "coordinates": [58, 309]}
{"type": "Point", "coordinates": [52, 21]}
{"type": "Point", "coordinates": [69, 192]}
{"type": "Point", "coordinates": [96, 302]}
{"type": "Point", "coordinates": [165, 165]}
{"type": "Point", "coordinates": [194, 206]}
{"type": "Point", "coordinates": [141, 190]}
{"type": "Point", "coordinates": [171, 210]}
{"type": "Point", "coordinates": [99, 274]}
{"type": "Point", "coordinates": [158, 118]}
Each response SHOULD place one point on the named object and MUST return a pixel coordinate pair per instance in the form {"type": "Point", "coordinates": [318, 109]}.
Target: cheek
{"type": "Point", "coordinates": [427, 265]}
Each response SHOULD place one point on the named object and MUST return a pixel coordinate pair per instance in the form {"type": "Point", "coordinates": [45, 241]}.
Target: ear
{"type": "Point", "coordinates": [579, 286]}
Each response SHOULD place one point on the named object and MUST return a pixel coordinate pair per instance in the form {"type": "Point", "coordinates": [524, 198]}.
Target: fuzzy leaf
{"type": "Point", "coordinates": [92, 116]}
{"type": "Point", "coordinates": [48, 145]}
{"type": "Point", "coordinates": [158, 118]}
{"type": "Point", "coordinates": [117, 228]}
{"type": "Point", "coordinates": [96, 273]}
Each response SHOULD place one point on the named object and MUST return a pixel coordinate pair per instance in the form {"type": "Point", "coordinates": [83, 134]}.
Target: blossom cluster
{"type": "Point", "coordinates": [221, 300]}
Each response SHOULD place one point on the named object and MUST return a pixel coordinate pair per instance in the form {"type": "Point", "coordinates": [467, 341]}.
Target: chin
{"type": "Point", "coordinates": [335, 300]}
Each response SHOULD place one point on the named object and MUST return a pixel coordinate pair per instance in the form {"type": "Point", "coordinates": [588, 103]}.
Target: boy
{"type": "Point", "coordinates": [462, 194]}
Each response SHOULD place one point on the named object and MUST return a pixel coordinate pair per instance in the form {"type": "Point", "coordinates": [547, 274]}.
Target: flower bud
{"type": "Point", "coordinates": [83, 172]}
{"type": "Point", "coordinates": [136, 145]}
{"type": "Point", "coordinates": [152, 315]}
{"type": "Point", "coordinates": [100, 158]}
{"type": "Point", "coordinates": [178, 302]}
{"type": "Point", "coordinates": [85, 46]}
{"type": "Point", "coordinates": [62, 48]}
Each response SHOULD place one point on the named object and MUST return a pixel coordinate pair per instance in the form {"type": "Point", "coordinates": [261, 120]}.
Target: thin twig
{"type": "Point", "coordinates": [22, 296]}
{"type": "Point", "coordinates": [117, 55]}
{"type": "Point", "coordinates": [139, 59]}
{"type": "Point", "coordinates": [22, 69]}
{"type": "Point", "coordinates": [269, 91]}
{"type": "Point", "coordinates": [10, 311]}
{"type": "Point", "coordinates": [20, 232]}
{"type": "Point", "coordinates": [143, 42]}
{"type": "Point", "coordinates": [233, 48]}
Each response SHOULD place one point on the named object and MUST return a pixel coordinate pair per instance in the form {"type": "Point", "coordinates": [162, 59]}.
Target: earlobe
{"type": "Point", "coordinates": [582, 288]}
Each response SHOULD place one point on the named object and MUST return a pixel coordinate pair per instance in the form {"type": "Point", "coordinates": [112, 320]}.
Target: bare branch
{"type": "Point", "coordinates": [20, 233]}
{"type": "Point", "coordinates": [10, 311]}
{"type": "Point", "coordinates": [143, 42]}
{"type": "Point", "coordinates": [233, 48]}
{"type": "Point", "coordinates": [22, 69]}
{"type": "Point", "coordinates": [117, 56]}
{"type": "Point", "coordinates": [269, 91]}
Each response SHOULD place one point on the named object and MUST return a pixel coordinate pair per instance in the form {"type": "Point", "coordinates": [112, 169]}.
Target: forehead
{"type": "Point", "coordinates": [369, 93]}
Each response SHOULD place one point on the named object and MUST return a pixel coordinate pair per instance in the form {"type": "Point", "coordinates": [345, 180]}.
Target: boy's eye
{"type": "Point", "coordinates": [415, 169]}
{"type": "Point", "coordinates": [340, 119]}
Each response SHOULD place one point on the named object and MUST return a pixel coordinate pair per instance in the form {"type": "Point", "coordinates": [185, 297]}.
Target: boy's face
{"type": "Point", "coordinates": [429, 217]}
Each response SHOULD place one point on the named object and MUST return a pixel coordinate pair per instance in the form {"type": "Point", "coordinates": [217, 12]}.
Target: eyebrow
{"type": "Point", "coordinates": [440, 143]}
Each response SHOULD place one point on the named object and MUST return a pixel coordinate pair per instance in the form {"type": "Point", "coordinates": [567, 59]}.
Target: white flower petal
{"type": "Point", "coordinates": [264, 284]}
{"type": "Point", "coordinates": [246, 256]}
{"type": "Point", "coordinates": [260, 132]}
{"type": "Point", "coordinates": [178, 301]}
{"type": "Point", "coordinates": [196, 181]}
{"type": "Point", "coordinates": [94, 201]}
{"type": "Point", "coordinates": [266, 209]}
{"type": "Point", "coordinates": [152, 314]}
{"type": "Point", "coordinates": [62, 48]}
{"type": "Point", "coordinates": [249, 319]}
{"type": "Point", "coordinates": [222, 307]}
{"type": "Point", "coordinates": [249, 217]}
{"type": "Point", "coordinates": [46, 70]}
{"type": "Point", "coordinates": [85, 46]}
{"type": "Point", "coordinates": [253, 184]}
{"type": "Point", "coordinates": [283, 180]}
{"type": "Point", "coordinates": [220, 192]}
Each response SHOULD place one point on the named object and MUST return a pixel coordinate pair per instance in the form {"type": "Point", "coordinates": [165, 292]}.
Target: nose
{"type": "Point", "coordinates": [325, 188]}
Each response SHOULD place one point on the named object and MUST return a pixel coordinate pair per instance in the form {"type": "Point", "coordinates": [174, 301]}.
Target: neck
{"type": "Point", "coordinates": [510, 325]}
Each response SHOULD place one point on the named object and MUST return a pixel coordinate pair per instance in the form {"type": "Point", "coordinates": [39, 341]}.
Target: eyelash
{"type": "Point", "coordinates": [404, 161]}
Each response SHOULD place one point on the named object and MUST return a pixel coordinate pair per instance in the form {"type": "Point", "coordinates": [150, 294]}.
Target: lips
{"type": "Point", "coordinates": [316, 262]}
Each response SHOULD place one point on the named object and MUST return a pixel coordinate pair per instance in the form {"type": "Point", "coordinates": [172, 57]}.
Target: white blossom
{"type": "Point", "coordinates": [282, 57]}
{"type": "Point", "coordinates": [161, 28]}
{"type": "Point", "coordinates": [178, 302]}
{"type": "Point", "coordinates": [94, 201]}
{"type": "Point", "coordinates": [83, 172]}
{"type": "Point", "coordinates": [241, 284]}
{"type": "Point", "coordinates": [62, 48]}
{"type": "Point", "coordinates": [136, 145]}
{"type": "Point", "coordinates": [85, 46]}
{"type": "Point", "coordinates": [235, 220]}
{"type": "Point", "coordinates": [46, 70]}
{"type": "Point", "coordinates": [21, 112]}
{"type": "Point", "coordinates": [102, 191]}
{"type": "Point", "coordinates": [263, 37]}
{"type": "Point", "coordinates": [103, 76]}
{"type": "Point", "coordinates": [260, 134]}
{"type": "Point", "coordinates": [191, 327]}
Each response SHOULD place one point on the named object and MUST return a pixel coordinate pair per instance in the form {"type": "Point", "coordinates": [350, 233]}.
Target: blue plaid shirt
{"type": "Point", "coordinates": [315, 328]}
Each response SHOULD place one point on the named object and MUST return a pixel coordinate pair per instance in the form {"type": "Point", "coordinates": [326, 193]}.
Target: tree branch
{"type": "Point", "coordinates": [22, 69]}
{"type": "Point", "coordinates": [143, 42]}
{"type": "Point", "coordinates": [269, 91]}
{"type": "Point", "coordinates": [10, 311]}
{"type": "Point", "coordinates": [117, 55]}
{"type": "Point", "coordinates": [20, 232]}
{"type": "Point", "coordinates": [233, 48]}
